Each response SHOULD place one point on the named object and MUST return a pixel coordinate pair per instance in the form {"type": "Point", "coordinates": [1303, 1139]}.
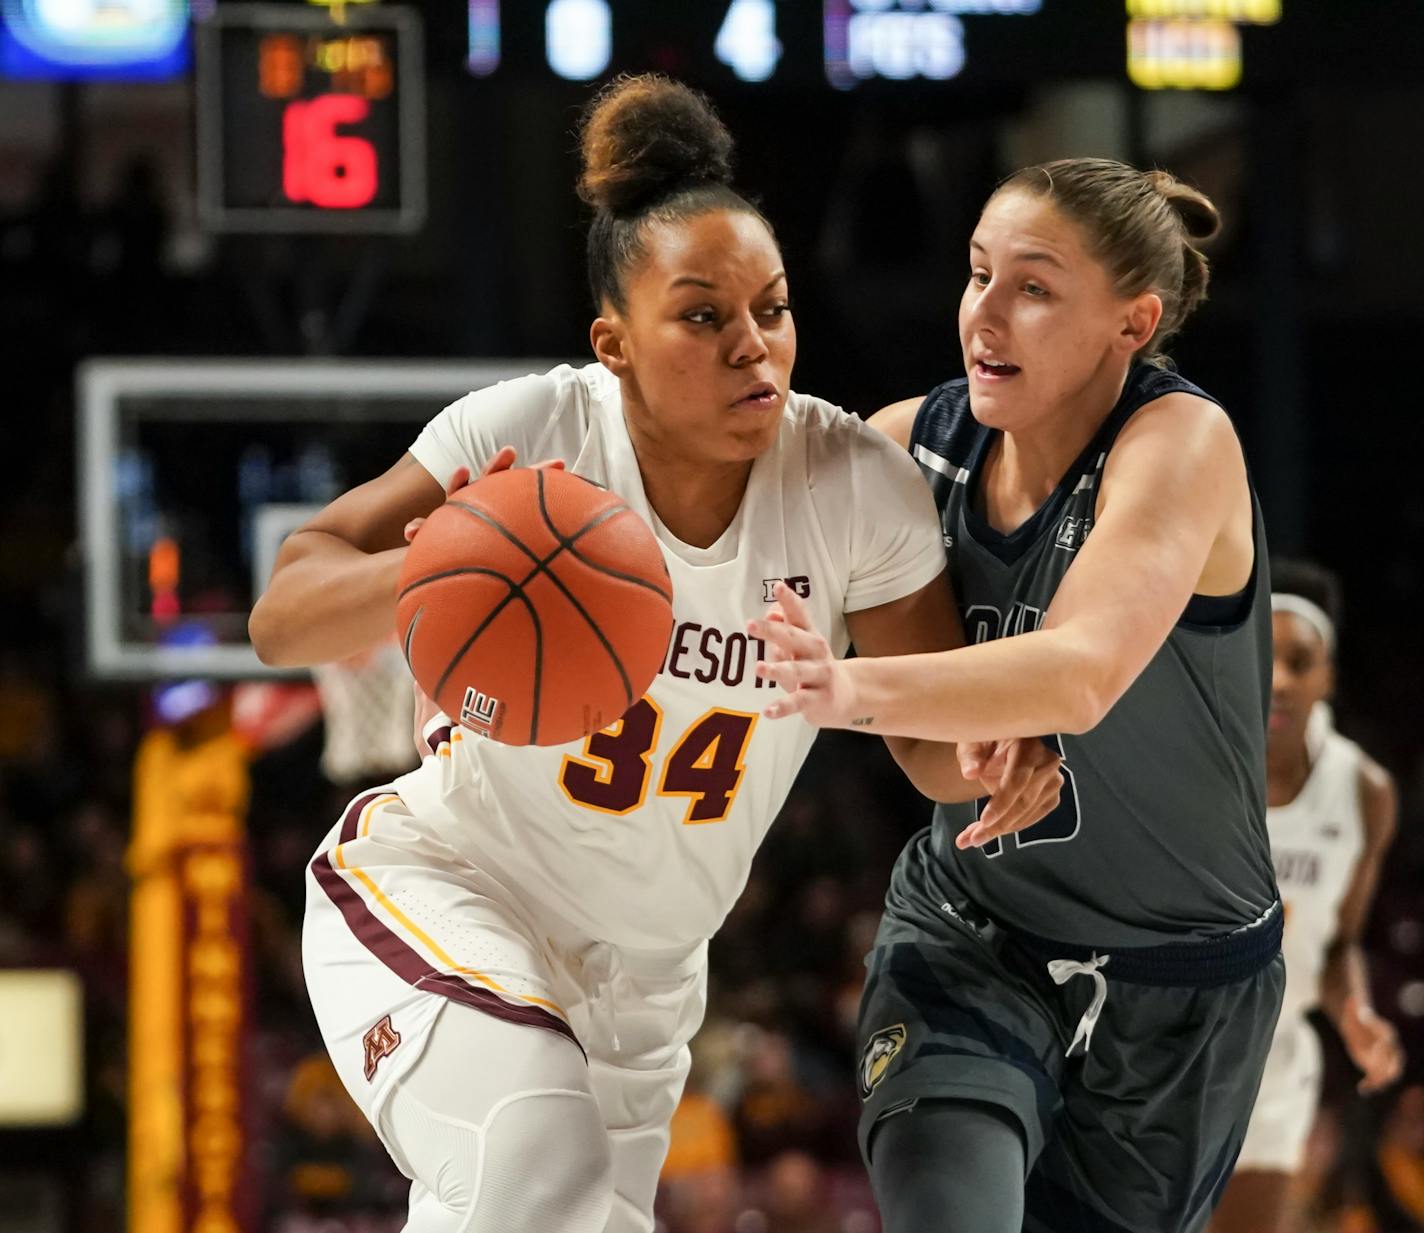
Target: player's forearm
{"type": "Point", "coordinates": [328, 601]}
{"type": "Point", "coordinates": [1345, 976]}
{"type": "Point", "coordinates": [1045, 681]}
{"type": "Point", "coordinates": [933, 767]}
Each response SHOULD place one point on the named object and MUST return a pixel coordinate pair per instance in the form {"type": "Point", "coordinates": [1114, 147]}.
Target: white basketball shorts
{"type": "Point", "coordinates": [398, 926]}
{"type": "Point", "coordinates": [1285, 1107]}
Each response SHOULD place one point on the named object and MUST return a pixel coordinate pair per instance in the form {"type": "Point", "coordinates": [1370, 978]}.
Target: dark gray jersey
{"type": "Point", "coordinates": [1160, 835]}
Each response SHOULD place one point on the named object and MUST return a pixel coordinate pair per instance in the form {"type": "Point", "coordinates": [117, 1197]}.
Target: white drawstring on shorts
{"type": "Point", "coordinates": [1062, 971]}
{"type": "Point", "coordinates": [601, 966]}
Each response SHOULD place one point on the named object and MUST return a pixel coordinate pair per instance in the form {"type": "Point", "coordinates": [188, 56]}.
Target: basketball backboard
{"type": "Point", "coordinates": [191, 472]}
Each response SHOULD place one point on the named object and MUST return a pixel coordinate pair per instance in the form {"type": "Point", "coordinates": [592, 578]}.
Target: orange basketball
{"type": "Point", "coordinates": [534, 607]}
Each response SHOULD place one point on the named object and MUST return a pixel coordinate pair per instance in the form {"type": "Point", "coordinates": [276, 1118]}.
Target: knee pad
{"type": "Point", "coordinates": [539, 1163]}
{"type": "Point", "coordinates": [547, 1165]}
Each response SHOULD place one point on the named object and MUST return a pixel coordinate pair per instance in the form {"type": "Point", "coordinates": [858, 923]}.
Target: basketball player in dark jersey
{"type": "Point", "coordinates": [1064, 1026]}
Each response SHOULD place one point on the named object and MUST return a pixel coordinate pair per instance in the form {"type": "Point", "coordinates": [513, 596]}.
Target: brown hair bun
{"type": "Point", "coordinates": [1200, 218]}
{"type": "Point", "coordinates": [646, 137]}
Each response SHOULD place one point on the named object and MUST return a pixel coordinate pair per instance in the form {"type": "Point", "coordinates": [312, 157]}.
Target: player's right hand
{"type": "Point", "coordinates": [1373, 1045]}
{"type": "Point", "coordinates": [504, 460]}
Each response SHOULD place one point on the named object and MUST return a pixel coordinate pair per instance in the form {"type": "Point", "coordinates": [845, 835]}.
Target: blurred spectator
{"type": "Point", "coordinates": [32, 887]}
{"type": "Point", "coordinates": [777, 1109]}
{"type": "Point", "coordinates": [707, 1202]}
{"type": "Point", "coordinates": [795, 1196]}
{"type": "Point", "coordinates": [26, 713]}
{"type": "Point", "coordinates": [702, 1138]}
{"type": "Point", "coordinates": [96, 905]}
{"type": "Point", "coordinates": [1398, 1197]}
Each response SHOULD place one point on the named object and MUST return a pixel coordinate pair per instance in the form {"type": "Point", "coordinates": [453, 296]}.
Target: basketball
{"type": "Point", "coordinates": [534, 607]}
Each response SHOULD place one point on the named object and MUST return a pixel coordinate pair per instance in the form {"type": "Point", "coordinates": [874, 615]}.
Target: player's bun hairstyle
{"type": "Point", "coordinates": [653, 149]}
{"type": "Point", "coordinates": [1292, 576]}
{"type": "Point", "coordinates": [1144, 226]}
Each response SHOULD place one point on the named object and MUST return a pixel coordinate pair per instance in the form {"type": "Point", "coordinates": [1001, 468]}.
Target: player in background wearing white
{"type": "Point", "coordinates": [1332, 816]}
{"type": "Point", "coordinates": [506, 948]}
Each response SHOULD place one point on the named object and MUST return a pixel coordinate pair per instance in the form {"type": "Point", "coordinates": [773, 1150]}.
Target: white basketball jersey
{"type": "Point", "coordinates": [643, 834]}
{"type": "Point", "coordinates": [1316, 842]}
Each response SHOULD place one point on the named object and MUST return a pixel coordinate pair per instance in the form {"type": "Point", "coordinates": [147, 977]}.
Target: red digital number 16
{"type": "Point", "coordinates": [319, 164]}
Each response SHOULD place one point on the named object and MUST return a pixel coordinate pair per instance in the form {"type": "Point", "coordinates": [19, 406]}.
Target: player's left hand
{"type": "Point", "coordinates": [800, 660]}
{"type": "Point", "coordinates": [1024, 780]}
{"type": "Point", "coordinates": [1373, 1045]}
{"type": "Point", "coordinates": [504, 460]}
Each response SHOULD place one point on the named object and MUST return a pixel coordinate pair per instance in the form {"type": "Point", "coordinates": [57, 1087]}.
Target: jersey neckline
{"type": "Point", "coordinates": [727, 547]}
{"type": "Point", "coordinates": [1009, 546]}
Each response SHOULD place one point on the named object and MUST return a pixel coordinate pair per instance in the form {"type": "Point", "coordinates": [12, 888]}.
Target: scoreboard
{"type": "Point", "coordinates": [305, 124]}
{"type": "Point", "coordinates": [851, 44]}
{"type": "Point", "coordinates": [311, 124]}
{"type": "Point", "coordinates": [840, 43]}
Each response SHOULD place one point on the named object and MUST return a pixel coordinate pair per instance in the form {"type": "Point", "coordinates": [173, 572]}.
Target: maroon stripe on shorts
{"type": "Point", "coordinates": [351, 819]}
{"type": "Point", "coordinates": [439, 737]}
{"type": "Point", "coordinates": [403, 960]}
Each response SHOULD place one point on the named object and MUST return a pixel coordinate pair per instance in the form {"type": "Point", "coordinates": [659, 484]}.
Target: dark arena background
{"type": "Point", "coordinates": [246, 250]}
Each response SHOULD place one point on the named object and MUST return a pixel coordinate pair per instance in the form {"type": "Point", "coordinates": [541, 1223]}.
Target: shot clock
{"type": "Point", "coordinates": [306, 125]}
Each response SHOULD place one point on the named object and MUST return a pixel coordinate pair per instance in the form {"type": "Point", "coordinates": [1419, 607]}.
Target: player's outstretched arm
{"type": "Point", "coordinates": [1022, 777]}
{"type": "Point", "coordinates": [1371, 1041]}
{"type": "Point", "coordinates": [1174, 517]}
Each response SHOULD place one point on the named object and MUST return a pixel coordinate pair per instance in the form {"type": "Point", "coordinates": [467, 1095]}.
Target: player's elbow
{"type": "Point", "coordinates": [1081, 713]}
{"type": "Point", "coordinates": [1092, 690]}
{"type": "Point", "coordinates": [265, 632]}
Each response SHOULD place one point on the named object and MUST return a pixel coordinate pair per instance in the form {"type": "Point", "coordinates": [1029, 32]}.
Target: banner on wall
{"type": "Point", "coordinates": [190, 1145]}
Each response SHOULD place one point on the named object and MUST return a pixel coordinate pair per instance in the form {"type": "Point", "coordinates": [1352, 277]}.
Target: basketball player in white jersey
{"type": "Point", "coordinates": [506, 949]}
{"type": "Point", "coordinates": [1332, 815]}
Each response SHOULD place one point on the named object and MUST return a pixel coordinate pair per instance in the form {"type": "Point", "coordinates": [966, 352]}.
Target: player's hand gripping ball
{"type": "Point", "coordinates": [534, 607]}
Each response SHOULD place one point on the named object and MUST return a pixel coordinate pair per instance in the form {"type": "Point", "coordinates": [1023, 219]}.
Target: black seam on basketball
{"type": "Point", "coordinates": [596, 521]}
{"type": "Point", "coordinates": [538, 670]}
{"type": "Point", "coordinates": [593, 625]}
{"type": "Point", "coordinates": [569, 542]}
{"type": "Point", "coordinates": [542, 566]}
{"type": "Point", "coordinates": [410, 635]}
{"type": "Point", "coordinates": [498, 526]}
{"type": "Point", "coordinates": [582, 611]}
{"type": "Point", "coordinates": [455, 573]}
{"type": "Point", "coordinates": [515, 592]}
{"type": "Point", "coordinates": [619, 574]}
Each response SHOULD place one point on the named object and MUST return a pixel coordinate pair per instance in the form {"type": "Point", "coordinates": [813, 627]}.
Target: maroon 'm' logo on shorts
{"type": "Point", "coordinates": [379, 1042]}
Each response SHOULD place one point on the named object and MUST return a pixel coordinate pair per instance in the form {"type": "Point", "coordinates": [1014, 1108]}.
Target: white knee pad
{"type": "Point", "coordinates": [538, 1163]}
{"type": "Point", "coordinates": [547, 1165]}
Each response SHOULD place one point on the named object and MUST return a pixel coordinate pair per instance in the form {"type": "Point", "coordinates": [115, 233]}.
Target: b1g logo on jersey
{"type": "Point", "coordinates": [478, 711]}
{"type": "Point", "coordinates": [381, 1041]}
{"type": "Point", "coordinates": [800, 585]}
{"type": "Point", "coordinates": [880, 1050]}
{"type": "Point", "coordinates": [1072, 532]}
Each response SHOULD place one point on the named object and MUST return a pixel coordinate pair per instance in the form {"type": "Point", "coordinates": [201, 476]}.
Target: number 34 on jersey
{"type": "Point", "coordinates": [705, 763]}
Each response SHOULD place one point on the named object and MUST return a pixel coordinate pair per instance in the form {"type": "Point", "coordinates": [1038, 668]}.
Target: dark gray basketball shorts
{"type": "Point", "coordinates": [1140, 1132]}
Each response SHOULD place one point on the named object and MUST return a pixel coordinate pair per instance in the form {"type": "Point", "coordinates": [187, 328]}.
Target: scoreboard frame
{"type": "Point", "coordinates": [214, 123]}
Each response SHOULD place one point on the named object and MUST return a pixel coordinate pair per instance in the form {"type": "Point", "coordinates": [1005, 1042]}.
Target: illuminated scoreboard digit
{"type": "Point", "coordinates": [306, 125]}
